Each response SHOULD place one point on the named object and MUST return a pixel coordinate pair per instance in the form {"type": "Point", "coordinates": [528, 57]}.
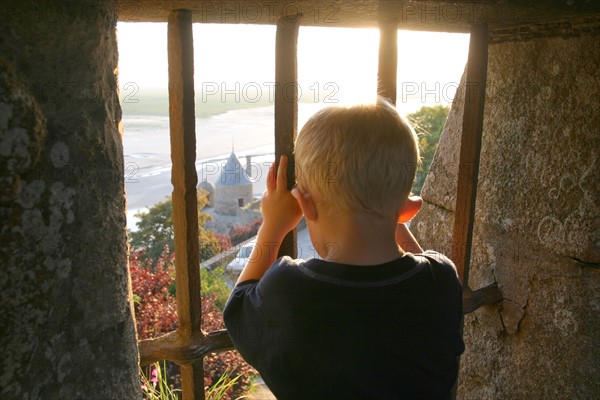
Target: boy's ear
{"type": "Point", "coordinates": [410, 208]}
{"type": "Point", "coordinates": [307, 204]}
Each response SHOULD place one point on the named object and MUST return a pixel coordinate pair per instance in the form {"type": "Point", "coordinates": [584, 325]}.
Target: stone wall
{"type": "Point", "coordinates": [226, 198]}
{"type": "Point", "coordinates": [66, 317]}
{"type": "Point", "coordinates": [537, 222]}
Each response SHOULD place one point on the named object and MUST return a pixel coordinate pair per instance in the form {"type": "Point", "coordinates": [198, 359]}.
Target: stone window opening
{"type": "Point", "coordinates": [66, 303]}
{"type": "Point", "coordinates": [189, 344]}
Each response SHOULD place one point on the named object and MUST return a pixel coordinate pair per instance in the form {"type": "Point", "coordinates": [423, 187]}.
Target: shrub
{"type": "Point", "coordinates": [155, 307]}
{"type": "Point", "coordinates": [224, 241]}
{"type": "Point", "coordinates": [240, 233]}
{"type": "Point", "coordinates": [156, 314]}
{"type": "Point", "coordinates": [230, 362]}
{"type": "Point", "coordinates": [213, 283]}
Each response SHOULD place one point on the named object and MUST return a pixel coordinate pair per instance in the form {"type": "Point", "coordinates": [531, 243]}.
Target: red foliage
{"type": "Point", "coordinates": [224, 241]}
{"type": "Point", "coordinates": [240, 233]}
{"type": "Point", "coordinates": [155, 308]}
{"type": "Point", "coordinates": [156, 314]}
{"type": "Point", "coordinates": [217, 364]}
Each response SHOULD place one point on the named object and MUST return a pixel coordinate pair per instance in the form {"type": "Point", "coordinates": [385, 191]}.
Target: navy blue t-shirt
{"type": "Point", "coordinates": [321, 330]}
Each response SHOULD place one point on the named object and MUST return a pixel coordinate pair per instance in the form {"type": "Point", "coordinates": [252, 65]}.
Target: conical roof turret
{"type": "Point", "coordinates": [233, 173]}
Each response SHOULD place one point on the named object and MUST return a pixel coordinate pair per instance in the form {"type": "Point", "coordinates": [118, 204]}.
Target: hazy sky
{"type": "Point", "coordinates": [340, 62]}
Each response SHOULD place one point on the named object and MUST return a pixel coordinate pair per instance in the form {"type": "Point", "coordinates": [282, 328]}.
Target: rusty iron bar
{"type": "Point", "coordinates": [470, 147]}
{"type": "Point", "coordinates": [387, 70]}
{"type": "Point", "coordinates": [468, 171]}
{"type": "Point", "coordinates": [183, 349]}
{"type": "Point", "coordinates": [286, 107]}
{"type": "Point", "coordinates": [185, 202]}
{"type": "Point", "coordinates": [473, 299]}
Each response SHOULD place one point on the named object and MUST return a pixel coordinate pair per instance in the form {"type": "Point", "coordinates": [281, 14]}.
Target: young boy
{"type": "Point", "coordinates": [370, 320]}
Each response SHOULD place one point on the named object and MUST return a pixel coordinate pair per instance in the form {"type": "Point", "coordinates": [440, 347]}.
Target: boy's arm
{"type": "Point", "coordinates": [404, 237]}
{"type": "Point", "coordinates": [406, 240]}
{"type": "Point", "coordinates": [281, 213]}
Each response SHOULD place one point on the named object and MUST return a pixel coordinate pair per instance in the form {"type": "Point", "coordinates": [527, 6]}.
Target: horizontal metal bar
{"type": "Point", "coordinates": [183, 349]}
{"type": "Point", "coordinates": [473, 299]}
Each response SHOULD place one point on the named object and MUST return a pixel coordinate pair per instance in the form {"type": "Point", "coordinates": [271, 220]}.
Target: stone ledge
{"type": "Point", "coordinates": [224, 257]}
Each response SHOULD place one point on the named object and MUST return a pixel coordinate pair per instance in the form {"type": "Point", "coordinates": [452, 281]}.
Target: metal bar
{"type": "Point", "coordinates": [185, 179]}
{"type": "Point", "coordinates": [388, 60]}
{"type": "Point", "coordinates": [470, 148]}
{"type": "Point", "coordinates": [286, 106]}
{"type": "Point", "coordinates": [173, 347]}
{"type": "Point", "coordinates": [487, 295]}
{"type": "Point", "coordinates": [468, 168]}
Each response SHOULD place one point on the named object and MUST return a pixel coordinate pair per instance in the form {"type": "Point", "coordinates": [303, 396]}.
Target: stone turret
{"type": "Point", "coordinates": [233, 189]}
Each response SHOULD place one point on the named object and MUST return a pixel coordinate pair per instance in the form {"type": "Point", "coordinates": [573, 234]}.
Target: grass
{"type": "Point", "coordinates": [220, 387]}
{"type": "Point", "coordinates": [157, 387]}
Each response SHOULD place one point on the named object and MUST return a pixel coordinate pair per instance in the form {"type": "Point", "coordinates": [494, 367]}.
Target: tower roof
{"type": "Point", "coordinates": [232, 173]}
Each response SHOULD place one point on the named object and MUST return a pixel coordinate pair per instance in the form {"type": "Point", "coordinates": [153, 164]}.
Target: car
{"type": "Point", "coordinates": [241, 258]}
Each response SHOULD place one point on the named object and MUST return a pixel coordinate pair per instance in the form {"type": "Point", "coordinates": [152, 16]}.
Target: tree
{"type": "Point", "coordinates": [428, 123]}
{"type": "Point", "coordinates": [155, 234]}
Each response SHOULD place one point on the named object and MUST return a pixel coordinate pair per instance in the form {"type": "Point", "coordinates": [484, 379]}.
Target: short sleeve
{"type": "Point", "coordinates": [450, 290]}
{"type": "Point", "coordinates": [439, 259]}
{"type": "Point", "coordinates": [244, 320]}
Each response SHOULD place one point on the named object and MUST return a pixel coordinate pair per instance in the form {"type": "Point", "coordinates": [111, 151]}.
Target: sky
{"type": "Point", "coordinates": [336, 63]}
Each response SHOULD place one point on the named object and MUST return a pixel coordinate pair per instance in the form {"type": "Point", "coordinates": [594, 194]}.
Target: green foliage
{"type": "Point", "coordinates": [156, 315]}
{"type": "Point", "coordinates": [155, 233]}
{"type": "Point", "coordinates": [156, 386]}
{"type": "Point", "coordinates": [214, 283]}
{"type": "Point", "coordinates": [428, 123]}
{"type": "Point", "coordinates": [220, 388]}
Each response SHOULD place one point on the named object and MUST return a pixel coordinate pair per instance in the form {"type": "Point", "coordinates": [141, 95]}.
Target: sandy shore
{"type": "Point", "coordinates": [146, 147]}
{"type": "Point", "coordinates": [152, 184]}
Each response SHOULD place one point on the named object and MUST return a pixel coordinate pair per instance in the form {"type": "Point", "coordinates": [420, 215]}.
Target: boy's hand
{"type": "Point", "coordinates": [281, 212]}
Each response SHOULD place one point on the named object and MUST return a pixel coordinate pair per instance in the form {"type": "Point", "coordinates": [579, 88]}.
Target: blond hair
{"type": "Point", "coordinates": [357, 159]}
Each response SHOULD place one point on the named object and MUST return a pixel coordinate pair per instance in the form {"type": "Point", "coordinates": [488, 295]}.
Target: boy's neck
{"type": "Point", "coordinates": [357, 239]}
